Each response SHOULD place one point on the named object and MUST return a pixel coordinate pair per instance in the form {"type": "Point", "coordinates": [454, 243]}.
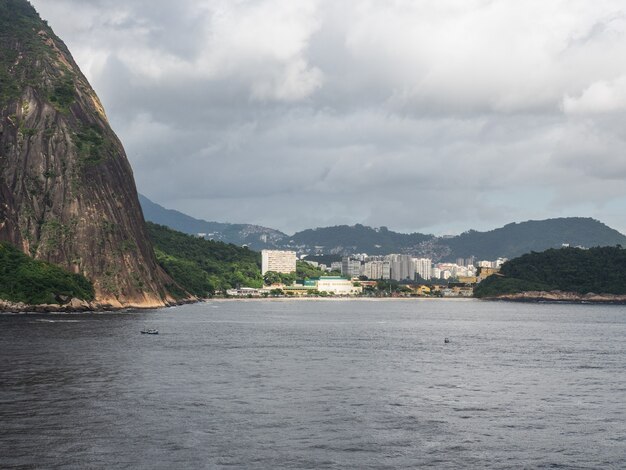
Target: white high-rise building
{"type": "Point", "coordinates": [374, 269]}
{"type": "Point", "coordinates": [423, 267]}
{"type": "Point", "coordinates": [278, 261]}
{"type": "Point", "coordinates": [350, 267]}
{"type": "Point", "coordinates": [402, 267]}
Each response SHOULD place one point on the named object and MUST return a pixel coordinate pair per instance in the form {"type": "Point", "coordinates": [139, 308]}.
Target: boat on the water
{"type": "Point", "coordinates": [149, 331]}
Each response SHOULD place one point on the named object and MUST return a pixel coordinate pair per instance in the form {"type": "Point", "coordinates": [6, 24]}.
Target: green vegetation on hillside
{"type": "Point", "coordinates": [303, 271]}
{"type": "Point", "coordinates": [516, 239]}
{"type": "Point", "coordinates": [358, 239]}
{"type": "Point", "coordinates": [306, 271]}
{"type": "Point", "coordinates": [19, 20]}
{"type": "Point", "coordinates": [600, 270]}
{"type": "Point", "coordinates": [23, 279]}
{"type": "Point", "coordinates": [273, 277]}
{"type": "Point", "coordinates": [203, 266]}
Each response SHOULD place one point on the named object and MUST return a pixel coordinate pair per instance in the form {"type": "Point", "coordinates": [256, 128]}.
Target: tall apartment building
{"type": "Point", "coordinates": [402, 267]}
{"type": "Point", "coordinates": [423, 267]}
{"type": "Point", "coordinates": [278, 261]}
{"type": "Point", "coordinates": [350, 267]}
{"type": "Point", "coordinates": [376, 269]}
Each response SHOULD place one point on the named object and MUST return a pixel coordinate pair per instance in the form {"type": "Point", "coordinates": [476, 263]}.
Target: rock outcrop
{"type": "Point", "coordinates": [67, 193]}
{"type": "Point", "coordinates": [559, 296]}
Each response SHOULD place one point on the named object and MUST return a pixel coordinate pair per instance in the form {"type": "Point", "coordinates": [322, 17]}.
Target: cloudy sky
{"type": "Point", "coordinates": [432, 116]}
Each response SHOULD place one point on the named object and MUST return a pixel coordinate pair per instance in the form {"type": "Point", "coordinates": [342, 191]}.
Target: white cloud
{"type": "Point", "coordinates": [447, 113]}
{"type": "Point", "coordinates": [600, 97]}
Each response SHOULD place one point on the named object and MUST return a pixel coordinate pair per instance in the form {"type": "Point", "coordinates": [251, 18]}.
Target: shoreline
{"type": "Point", "coordinates": [78, 306]}
{"type": "Point", "coordinates": [7, 307]}
{"type": "Point", "coordinates": [81, 306]}
{"type": "Point", "coordinates": [557, 297]}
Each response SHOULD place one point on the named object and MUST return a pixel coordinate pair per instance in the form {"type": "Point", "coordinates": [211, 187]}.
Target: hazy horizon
{"type": "Point", "coordinates": [373, 227]}
{"type": "Point", "coordinates": [432, 117]}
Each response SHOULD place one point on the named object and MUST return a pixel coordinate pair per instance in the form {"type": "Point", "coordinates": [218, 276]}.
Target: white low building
{"type": "Point", "coordinates": [243, 292]}
{"type": "Point", "coordinates": [337, 286]}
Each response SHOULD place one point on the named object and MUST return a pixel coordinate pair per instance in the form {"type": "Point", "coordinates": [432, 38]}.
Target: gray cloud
{"type": "Point", "coordinates": [422, 116]}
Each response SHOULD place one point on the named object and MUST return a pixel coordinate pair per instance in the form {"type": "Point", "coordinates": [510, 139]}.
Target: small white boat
{"type": "Point", "coordinates": [149, 331]}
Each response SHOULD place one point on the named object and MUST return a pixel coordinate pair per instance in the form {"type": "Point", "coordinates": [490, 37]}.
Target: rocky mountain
{"type": "Point", "coordinates": [255, 237]}
{"type": "Point", "coordinates": [509, 241]}
{"type": "Point", "coordinates": [67, 193]}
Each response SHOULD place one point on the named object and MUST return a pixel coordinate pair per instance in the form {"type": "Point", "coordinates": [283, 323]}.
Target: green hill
{"type": "Point", "coordinates": [23, 279]}
{"type": "Point", "coordinates": [600, 270]}
{"type": "Point", "coordinates": [204, 266]}
{"type": "Point", "coordinates": [534, 235]}
{"type": "Point", "coordinates": [344, 239]}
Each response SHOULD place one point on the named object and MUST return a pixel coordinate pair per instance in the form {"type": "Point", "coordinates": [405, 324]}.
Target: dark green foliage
{"type": "Point", "coordinates": [187, 274]}
{"type": "Point", "coordinates": [359, 239]}
{"type": "Point", "coordinates": [272, 277]}
{"type": "Point", "coordinates": [19, 27]}
{"type": "Point", "coordinates": [23, 279]}
{"type": "Point", "coordinates": [305, 271]}
{"type": "Point", "coordinates": [203, 266]}
{"type": "Point", "coordinates": [63, 94]}
{"type": "Point", "coordinates": [498, 285]}
{"type": "Point", "coordinates": [600, 270]}
{"type": "Point", "coordinates": [535, 235]}
{"type": "Point", "coordinates": [90, 143]}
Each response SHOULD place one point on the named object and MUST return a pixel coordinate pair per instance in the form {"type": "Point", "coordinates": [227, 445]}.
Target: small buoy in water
{"type": "Point", "coordinates": [446, 340]}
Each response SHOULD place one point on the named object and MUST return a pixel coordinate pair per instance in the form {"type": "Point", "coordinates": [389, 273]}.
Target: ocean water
{"type": "Point", "coordinates": [316, 384]}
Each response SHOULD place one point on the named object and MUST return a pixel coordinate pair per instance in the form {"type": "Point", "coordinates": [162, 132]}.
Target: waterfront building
{"type": "Point", "coordinates": [244, 292]}
{"type": "Point", "coordinates": [337, 285]}
{"type": "Point", "coordinates": [278, 261]}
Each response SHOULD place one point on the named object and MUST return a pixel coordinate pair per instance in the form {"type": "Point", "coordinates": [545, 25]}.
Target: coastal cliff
{"type": "Point", "coordinates": [67, 193]}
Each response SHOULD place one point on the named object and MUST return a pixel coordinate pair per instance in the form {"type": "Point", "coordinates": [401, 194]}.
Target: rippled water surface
{"type": "Point", "coordinates": [317, 384]}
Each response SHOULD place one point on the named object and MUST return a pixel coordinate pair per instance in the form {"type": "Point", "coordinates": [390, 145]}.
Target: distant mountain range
{"type": "Point", "coordinates": [509, 241]}
{"type": "Point", "coordinates": [254, 236]}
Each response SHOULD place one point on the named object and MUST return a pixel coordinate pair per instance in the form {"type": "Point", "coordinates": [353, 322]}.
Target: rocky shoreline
{"type": "Point", "coordinates": [77, 306]}
{"type": "Point", "coordinates": [74, 305]}
{"type": "Point", "coordinates": [560, 296]}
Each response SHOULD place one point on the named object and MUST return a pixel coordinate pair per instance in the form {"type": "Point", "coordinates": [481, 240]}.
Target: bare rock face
{"type": "Point", "coordinates": [67, 193]}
